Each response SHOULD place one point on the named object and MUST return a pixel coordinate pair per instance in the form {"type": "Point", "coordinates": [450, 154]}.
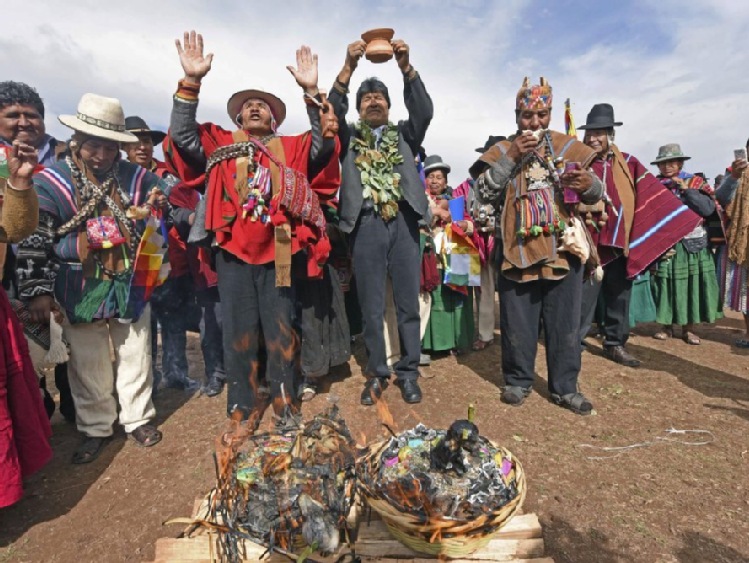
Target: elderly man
{"type": "Point", "coordinates": [638, 221]}
{"type": "Point", "coordinates": [22, 119]}
{"type": "Point", "coordinates": [84, 255]}
{"type": "Point", "coordinates": [539, 278]}
{"type": "Point", "coordinates": [382, 200]}
{"type": "Point", "coordinates": [261, 210]}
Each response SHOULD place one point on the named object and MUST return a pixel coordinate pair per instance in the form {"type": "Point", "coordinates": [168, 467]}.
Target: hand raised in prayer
{"type": "Point", "coordinates": [401, 50]}
{"type": "Point", "coordinates": [738, 167]}
{"type": "Point", "coordinates": [577, 180]}
{"type": "Point", "coordinates": [194, 63]}
{"type": "Point", "coordinates": [305, 72]}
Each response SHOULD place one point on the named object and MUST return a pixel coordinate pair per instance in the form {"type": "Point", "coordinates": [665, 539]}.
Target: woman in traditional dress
{"type": "Point", "coordinates": [733, 195]}
{"type": "Point", "coordinates": [451, 317]}
{"type": "Point", "coordinates": [24, 427]}
{"type": "Point", "coordinates": [685, 287]}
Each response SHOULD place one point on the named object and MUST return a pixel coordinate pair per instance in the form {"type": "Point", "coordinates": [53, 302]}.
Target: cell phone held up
{"type": "Point", "coordinates": [571, 197]}
{"type": "Point", "coordinates": [739, 154]}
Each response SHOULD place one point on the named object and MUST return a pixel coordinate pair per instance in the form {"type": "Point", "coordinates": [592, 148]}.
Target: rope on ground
{"type": "Point", "coordinates": [616, 451]}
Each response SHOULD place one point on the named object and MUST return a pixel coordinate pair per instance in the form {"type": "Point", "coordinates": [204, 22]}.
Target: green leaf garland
{"type": "Point", "coordinates": [379, 182]}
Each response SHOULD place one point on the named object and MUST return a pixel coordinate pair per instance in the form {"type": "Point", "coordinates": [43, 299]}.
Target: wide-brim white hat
{"type": "Point", "coordinates": [99, 117]}
{"type": "Point", "coordinates": [235, 103]}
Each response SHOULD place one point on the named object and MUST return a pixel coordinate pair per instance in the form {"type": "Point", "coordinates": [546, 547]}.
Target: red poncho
{"type": "Point", "coordinates": [250, 241]}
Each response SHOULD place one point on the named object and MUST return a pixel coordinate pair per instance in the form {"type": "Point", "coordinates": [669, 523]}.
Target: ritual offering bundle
{"type": "Point", "coordinates": [289, 490]}
{"type": "Point", "coordinates": [442, 492]}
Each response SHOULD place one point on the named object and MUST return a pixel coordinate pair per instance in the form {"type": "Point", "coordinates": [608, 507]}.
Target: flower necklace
{"type": "Point", "coordinates": [379, 182]}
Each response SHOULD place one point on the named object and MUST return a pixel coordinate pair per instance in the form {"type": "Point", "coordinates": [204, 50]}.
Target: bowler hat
{"type": "Point", "coordinates": [138, 126]}
{"type": "Point", "coordinates": [434, 162]}
{"type": "Point", "coordinates": [490, 142]}
{"type": "Point", "coordinates": [601, 116]}
{"type": "Point", "coordinates": [671, 151]}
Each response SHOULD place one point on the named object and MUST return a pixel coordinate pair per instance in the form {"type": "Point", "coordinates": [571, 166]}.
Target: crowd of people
{"type": "Point", "coordinates": [279, 249]}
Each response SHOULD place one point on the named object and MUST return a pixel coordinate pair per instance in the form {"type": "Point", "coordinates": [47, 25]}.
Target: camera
{"type": "Point", "coordinates": [485, 218]}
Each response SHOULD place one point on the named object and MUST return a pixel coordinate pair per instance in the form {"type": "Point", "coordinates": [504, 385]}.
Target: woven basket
{"type": "Point", "coordinates": [436, 536]}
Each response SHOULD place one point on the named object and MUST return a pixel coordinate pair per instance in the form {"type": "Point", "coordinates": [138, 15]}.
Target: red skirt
{"type": "Point", "coordinates": [24, 427]}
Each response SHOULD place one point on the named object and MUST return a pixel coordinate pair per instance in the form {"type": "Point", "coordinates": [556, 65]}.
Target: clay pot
{"type": "Point", "coordinates": [379, 48]}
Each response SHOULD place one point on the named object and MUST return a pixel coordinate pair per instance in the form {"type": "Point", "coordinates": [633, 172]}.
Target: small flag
{"type": "Point", "coordinates": [569, 121]}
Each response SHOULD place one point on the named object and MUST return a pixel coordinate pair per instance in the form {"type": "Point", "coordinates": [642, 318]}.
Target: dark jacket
{"type": "Point", "coordinates": [411, 133]}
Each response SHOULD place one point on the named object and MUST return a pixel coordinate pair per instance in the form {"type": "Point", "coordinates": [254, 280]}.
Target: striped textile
{"type": "Point", "coordinates": [48, 264]}
{"type": "Point", "coordinates": [733, 280]}
{"type": "Point", "coordinates": [661, 220]}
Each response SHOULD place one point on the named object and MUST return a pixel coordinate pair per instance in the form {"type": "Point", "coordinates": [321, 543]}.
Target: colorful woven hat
{"type": "Point", "coordinates": [671, 151]}
{"type": "Point", "coordinates": [534, 97]}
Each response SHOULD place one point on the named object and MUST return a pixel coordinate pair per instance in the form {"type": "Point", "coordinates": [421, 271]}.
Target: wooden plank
{"type": "Point", "coordinates": [521, 527]}
{"type": "Point", "coordinates": [496, 550]}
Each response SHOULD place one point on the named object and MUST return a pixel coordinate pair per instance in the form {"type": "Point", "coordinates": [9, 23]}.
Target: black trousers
{"type": "Point", "coordinates": [524, 305]}
{"type": "Point", "coordinates": [380, 249]}
{"type": "Point", "coordinates": [260, 343]}
{"type": "Point", "coordinates": [617, 291]}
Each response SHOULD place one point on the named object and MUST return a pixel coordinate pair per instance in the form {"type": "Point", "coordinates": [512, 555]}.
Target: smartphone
{"type": "Point", "coordinates": [739, 154]}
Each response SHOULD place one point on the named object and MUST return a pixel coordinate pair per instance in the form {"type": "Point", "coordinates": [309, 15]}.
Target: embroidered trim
{"type": "Point", "coordinates": [100, 123]}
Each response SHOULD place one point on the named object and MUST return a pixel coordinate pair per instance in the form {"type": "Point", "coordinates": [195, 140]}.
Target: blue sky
{"type": "Point", "coordinates": [674, 71]}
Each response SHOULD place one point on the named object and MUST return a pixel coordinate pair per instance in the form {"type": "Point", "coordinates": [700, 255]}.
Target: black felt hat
{"type": "Point", "coordinates": [601, 116]}
{"type": "Point", "coordinates": [138, 126]}
{"type": "Point", "coordinates": [490, 142]}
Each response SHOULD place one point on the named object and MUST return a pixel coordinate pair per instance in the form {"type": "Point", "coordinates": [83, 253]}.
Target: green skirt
{"type": "Point", "coordinates": [685, 288]}
{"type": "Point", "coordinates": [641, 303]}
{"type": "Point", "coordinates": [450, 321]}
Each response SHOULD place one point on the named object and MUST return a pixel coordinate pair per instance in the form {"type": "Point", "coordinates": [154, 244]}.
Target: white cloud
{"type": "Point", "coordinates": [471, 54]}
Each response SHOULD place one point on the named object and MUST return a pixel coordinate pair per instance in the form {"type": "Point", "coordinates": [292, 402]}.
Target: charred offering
{"type": "Point", "coordinates": [454, 474]}
{"type": "Point", "coordinates": [289, 491]}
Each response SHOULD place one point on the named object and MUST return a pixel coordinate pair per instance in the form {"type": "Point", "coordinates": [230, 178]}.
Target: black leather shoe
{"type": "Point", "coordinates": [213, 386]}
{"type": "Point", "coordinates": [620, 355]}
{"type": "Point", "coordinates": [373, 389]}
{"type": "Point", "coordinates": [410, 391]}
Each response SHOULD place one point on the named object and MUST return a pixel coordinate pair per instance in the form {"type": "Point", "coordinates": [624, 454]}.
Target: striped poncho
{"type": "Point", "coordinates": [49, 264]}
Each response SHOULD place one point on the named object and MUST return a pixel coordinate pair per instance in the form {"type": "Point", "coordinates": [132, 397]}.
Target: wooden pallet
{"type": "Point", "coordinates": [520, 541]}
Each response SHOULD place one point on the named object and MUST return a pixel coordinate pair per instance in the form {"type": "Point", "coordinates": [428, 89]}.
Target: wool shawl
{"type": "Point", "coordinates": [59, 197]}
{"type": "Point", "coordinates": [646, 224]}
{"type": "Point", "coordinates": [738, 228]}
{"type": "Point", "coordinates": [254, 242]}
{"type": "Point", "coordinates": [535, 257]}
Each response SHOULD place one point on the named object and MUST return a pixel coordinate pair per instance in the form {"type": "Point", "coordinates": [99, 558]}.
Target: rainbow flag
{"type": "Point", "coordinates": [569, 121]}
{"type": "Point", "coordinates": [461, 259]}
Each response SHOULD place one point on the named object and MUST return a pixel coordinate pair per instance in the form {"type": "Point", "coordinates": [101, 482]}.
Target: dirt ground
{"type": "Point", "coordinates": [662, 502]}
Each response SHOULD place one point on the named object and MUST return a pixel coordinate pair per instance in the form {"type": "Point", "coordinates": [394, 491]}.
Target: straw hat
{"type": "Point", "coordinates": [99, 117]}
{"type": "Point", "coordinates": [235, 103]}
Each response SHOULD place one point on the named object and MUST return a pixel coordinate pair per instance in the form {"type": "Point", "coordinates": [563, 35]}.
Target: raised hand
{"type": "Point", "coordinates": [401, 51]}
{"type": "Point", "coordinates": [194, 63]}
{"type": "Point", "coordinates": [305, 72]}
{"type": "Point", "coordinates": [22, 161]}
{"type": "Point", "coordinates": [354, 52]}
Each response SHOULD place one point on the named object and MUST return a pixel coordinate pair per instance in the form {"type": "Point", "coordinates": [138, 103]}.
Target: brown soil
{"type": "Point", "coordinates": [666, 502]}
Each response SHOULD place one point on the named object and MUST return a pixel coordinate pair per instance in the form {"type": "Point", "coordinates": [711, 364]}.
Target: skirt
{"type": "Point", "coordinates": [450, 321]}
{"type": "Point", "coordinates": [685, 288]}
